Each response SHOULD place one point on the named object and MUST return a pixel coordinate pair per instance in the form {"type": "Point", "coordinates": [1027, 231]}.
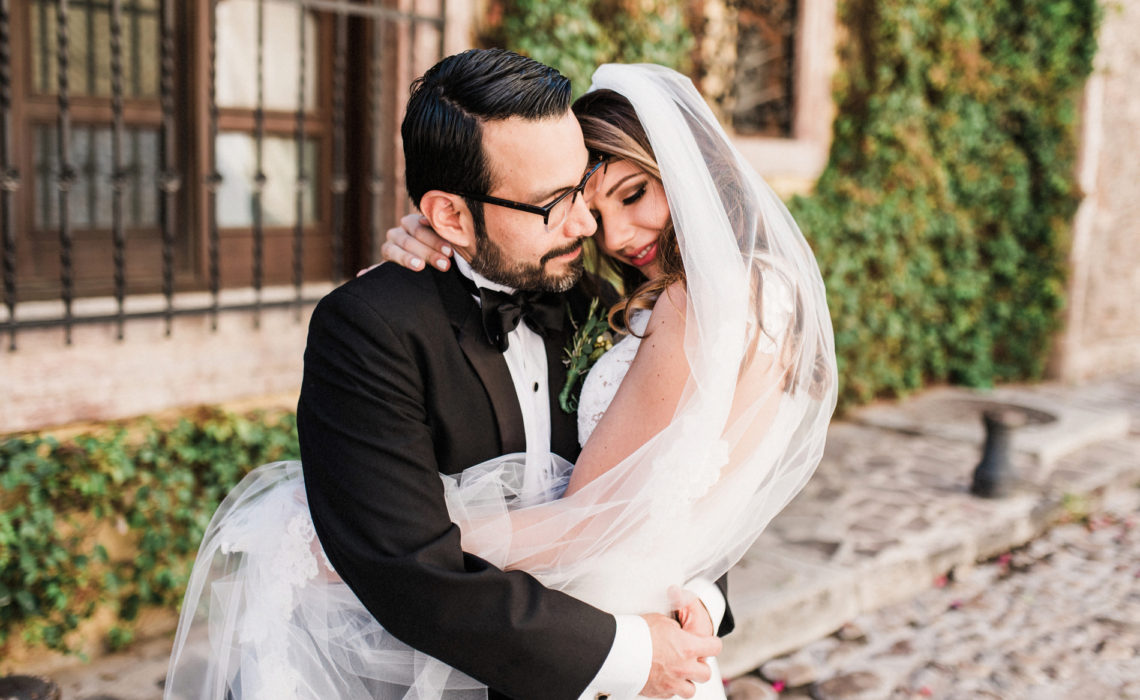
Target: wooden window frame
{"type": "Point", "coordinates": [277, 124]}
{"type": "Point", "coordinates": [792, 165]}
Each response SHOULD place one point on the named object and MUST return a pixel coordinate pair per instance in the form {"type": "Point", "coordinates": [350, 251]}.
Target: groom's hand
{"type": "Point", "coordinates": [691, 612]}
{"type": "Point", "coordinates": [678, 658]}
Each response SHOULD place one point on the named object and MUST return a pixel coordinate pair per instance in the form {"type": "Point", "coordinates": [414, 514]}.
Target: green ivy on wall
{"type": "Point", "coordinates": [152, 489]}
{"type": "Point", "coordinates": [577, 36]}
{"type": "Point", "coordinates": [941, 220]}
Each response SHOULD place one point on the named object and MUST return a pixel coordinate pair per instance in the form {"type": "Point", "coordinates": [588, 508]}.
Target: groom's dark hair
{"type": "Point", "coordinates": [442, 129]}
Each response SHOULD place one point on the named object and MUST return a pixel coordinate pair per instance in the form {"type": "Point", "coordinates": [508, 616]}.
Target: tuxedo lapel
{"type": "Point", "coordinates": [563, 425]}
{"type": "Point", "coordinates": [488, 362]}
{"type": "Point", "coordinates": [492, 369]}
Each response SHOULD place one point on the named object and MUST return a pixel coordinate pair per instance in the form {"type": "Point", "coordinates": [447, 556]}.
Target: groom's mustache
{"type": "Point", "coordinates": [560, 251]}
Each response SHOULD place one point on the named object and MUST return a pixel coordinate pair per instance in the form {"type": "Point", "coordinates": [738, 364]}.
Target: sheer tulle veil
{"type": "Point", "coordinates": [747, 434]}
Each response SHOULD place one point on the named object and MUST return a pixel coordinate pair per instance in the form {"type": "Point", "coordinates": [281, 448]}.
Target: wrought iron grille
{"type": "Point", "coordinates": [763, 85]}
{"type": "Point", "coordinates": [106, 167]}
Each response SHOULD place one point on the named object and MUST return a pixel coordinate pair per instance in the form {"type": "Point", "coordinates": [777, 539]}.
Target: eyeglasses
{"type": "Point", "coordinates": [554, 214]}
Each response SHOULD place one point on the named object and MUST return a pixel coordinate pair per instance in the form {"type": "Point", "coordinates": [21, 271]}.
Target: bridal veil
{"type": "Point", "coordinates": [265, 613]}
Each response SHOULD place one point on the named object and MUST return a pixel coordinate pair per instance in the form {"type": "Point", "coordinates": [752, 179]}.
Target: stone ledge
{"type": "Point", "coordinates": [781, 602]}
{"type": "Point", "coordinates": [955, 414]}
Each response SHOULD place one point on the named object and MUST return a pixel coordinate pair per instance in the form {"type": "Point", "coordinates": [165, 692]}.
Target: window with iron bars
{"type": "Point", "coordinates": [159, 146]}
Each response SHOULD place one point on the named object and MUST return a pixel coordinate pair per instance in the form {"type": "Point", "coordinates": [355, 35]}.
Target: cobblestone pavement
{"type": "Point", "coordinates": [1056, 619]}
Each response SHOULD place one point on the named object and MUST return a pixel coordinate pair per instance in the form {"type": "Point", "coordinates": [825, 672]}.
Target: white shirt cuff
{"type": "Point", "coordinates": [626, 669]}
{"type": "Point", "coordinates": [712, 597]}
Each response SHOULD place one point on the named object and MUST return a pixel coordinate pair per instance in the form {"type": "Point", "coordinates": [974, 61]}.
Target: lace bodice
{"type": "Point", "coordinates": [605, 377]}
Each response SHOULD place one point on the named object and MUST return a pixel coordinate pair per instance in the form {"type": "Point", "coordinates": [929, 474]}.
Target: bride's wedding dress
{"type": "Point", "coordinates": [604, 378]}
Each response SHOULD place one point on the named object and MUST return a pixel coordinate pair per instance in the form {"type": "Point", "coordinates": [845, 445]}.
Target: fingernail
{"type": "Point", "coordinates": [441, 264]}
{"type": "Point", "coordinates": [417, 263]}
{"type": "Point", "coordinates": [446, 250]}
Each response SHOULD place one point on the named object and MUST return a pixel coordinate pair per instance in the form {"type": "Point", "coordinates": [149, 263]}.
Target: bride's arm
{"type": "Point", "coordinates": [646, 400]}
{"type": "Point", "coordinates": [647, 397]}
{"type": "Point", "coordinates": [574, 526]}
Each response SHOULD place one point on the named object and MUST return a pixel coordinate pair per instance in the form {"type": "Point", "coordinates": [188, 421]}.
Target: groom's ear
{"type": "Point", "coordinates": [450, 217]}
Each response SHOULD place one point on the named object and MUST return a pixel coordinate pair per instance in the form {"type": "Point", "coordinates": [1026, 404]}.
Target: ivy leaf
{"type": "Point", "coordinates": [25, 600]}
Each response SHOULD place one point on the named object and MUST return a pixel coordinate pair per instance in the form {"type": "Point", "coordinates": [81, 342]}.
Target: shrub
{"type": "Point", "coordinates": [577, 36]}
{"type": "Point", "coordinates": [941, 220]}
{"type": "Point", "coordinates": [154, 488]}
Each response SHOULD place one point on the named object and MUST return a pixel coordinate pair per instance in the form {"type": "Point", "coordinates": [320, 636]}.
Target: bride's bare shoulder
{"type": "Point", "coordinates": [668, 314]}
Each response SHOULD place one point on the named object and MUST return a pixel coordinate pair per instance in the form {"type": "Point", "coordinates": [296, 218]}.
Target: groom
{"type": "Point", "coordinates": [408, 375]}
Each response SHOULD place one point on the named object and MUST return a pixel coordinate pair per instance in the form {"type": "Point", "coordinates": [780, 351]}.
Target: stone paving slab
{"type": "Point", "coordinates": [137, 674]}
{"type": "Point", "coordinates": [783, 602]}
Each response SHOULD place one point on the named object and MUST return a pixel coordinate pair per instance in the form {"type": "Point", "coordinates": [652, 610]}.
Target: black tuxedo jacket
{"type": "Point", "coordinates": [399, 385]}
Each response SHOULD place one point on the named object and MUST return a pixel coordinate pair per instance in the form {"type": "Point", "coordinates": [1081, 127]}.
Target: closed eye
{"type": "Point", "coordinates": [635, 196]}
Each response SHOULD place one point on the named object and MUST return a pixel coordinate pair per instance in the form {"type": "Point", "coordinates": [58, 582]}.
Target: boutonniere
{"type": "Point", "coordinates": [590, 341]}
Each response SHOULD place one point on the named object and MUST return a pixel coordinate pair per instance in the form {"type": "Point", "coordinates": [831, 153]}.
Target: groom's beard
{"type": "Point", "coordinates": [491, 262]}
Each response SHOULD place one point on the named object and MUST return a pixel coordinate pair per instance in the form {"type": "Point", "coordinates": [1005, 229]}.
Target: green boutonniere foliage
{"type": "Point", "coordinates": [590, 341]}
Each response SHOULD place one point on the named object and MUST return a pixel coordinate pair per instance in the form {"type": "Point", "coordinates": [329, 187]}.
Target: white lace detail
{"type": "Point", "coordinates": [279, 679]}
{"type": "Point", "coordinates": [295, 564]}
{"type": "Point", "coordinates": [686, 472]}
{"type": "Point", "coordinates": [605, 377]}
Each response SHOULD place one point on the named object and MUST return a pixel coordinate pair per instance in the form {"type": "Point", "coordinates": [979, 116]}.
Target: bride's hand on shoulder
{"type": "Point", "coordinates": [413, 242]}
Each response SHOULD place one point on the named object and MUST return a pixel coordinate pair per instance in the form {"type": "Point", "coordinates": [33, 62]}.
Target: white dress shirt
{"type": "Point", "coordinates": [626, 669]}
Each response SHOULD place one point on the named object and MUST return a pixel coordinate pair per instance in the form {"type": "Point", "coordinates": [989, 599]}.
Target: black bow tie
{"type": "Point", "coordinates": [502, 312]}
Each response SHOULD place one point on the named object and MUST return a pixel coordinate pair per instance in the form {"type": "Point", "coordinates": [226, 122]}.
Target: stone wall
{"type": "Point", "coordinates": [46, 383]}
{"type": "Point", "coordinates": [1102, 332]}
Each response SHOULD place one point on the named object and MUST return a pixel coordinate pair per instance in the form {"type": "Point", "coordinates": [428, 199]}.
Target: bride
{"type": "Point", "coordinates": [727, 331]}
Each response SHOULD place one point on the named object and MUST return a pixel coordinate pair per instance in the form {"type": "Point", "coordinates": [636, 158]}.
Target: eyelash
{"type": "Point", "coordinates": [635, 196]}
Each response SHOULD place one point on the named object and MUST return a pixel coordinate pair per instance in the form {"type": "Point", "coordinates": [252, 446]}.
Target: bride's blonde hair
{"type": "Point", "coordinates": [611, 129]}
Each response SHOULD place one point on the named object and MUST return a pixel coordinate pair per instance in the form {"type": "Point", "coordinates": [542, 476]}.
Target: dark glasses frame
{"type": "Point", "coordinates": [544, 210]}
